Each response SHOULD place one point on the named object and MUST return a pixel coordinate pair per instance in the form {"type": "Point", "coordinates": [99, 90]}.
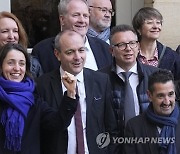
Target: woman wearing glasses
{"type": "Point", "coordinates": [148, 24]}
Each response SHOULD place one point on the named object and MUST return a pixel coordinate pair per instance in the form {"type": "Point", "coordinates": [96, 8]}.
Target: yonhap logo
{"type": "Point", "coordinates": [103, 140]}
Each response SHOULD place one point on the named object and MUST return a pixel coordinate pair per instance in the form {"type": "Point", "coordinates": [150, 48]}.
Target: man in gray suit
{"type": "Point", "coordinates": [94, 95]}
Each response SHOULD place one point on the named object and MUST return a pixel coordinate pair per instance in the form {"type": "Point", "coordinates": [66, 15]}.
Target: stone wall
{"type": "Point", "coordinates": [170, 9]}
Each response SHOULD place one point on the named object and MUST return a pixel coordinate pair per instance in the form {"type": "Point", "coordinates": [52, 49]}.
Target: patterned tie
{"type": "Point", "coordinates": [79, 129]}
{"type": "Point", "coordinates": [129, 109]}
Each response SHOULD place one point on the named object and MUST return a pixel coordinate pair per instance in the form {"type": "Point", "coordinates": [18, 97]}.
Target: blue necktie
{"type": "Point", "coordinates": [129, 109]}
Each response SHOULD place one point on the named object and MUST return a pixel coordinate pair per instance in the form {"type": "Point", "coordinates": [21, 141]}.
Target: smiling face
{"type": "Point", "coordinates": [124, 58]}
{"type": "Point", "coordinates": [76, 18]}
{"type": "Point", "coordinates": [73, 53]}
{"type": "Point", "coordinates": [14, 66]}
{"type": "Point", "coordinates": [8, 31]}
{"type": "Point", "coordinates": [98, 19]}
{"type": "Point", "coordinates": [151, 29]}
{"type": "Point", "coordinates": [163, 98]}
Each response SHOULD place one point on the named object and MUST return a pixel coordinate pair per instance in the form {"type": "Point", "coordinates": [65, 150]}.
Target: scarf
{"type": "Point", "coordinates": [168, 129]}
{"type": "Point", "coordinates": [18, 98]}
{"type": "Point", "coordinates": [103, 35]}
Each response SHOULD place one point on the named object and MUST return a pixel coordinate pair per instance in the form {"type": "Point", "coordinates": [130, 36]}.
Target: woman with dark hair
{"type": "Point", "coordinates": [148, 24]}
{"type": "Point", "coordinates": [22, 113]}
{"type": "Point", "coordinates": [12, 31]}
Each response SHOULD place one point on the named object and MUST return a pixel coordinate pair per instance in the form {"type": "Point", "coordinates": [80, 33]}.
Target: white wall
{"type": "Point", "coordinates": [125, 10]}
{"type": "Point", "coordinates": [5, 5]}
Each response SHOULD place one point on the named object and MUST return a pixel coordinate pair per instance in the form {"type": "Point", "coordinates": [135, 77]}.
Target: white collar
{"type": "Point", "coordinates": [79, 76]}
{"type": "Point", "coordinates": [133, 69]}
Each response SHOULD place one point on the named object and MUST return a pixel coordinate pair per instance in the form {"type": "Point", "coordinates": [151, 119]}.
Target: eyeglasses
{"type": "Point", "coordinates": [104, 10]}
{"type": "Point", "coordinates": [123, 46]}
{"type": "Point", "coordinates": [153, 21]}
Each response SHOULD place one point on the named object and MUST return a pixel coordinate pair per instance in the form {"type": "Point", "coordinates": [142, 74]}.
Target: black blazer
{"type": "Point", "coordinates": [44, 51]}
{"type": "Point", "coordinates": [40, 116]}
{"type": "Point", "coordinates": [140, 126]}
{"type": "Point", "coordinates": [99, 113]}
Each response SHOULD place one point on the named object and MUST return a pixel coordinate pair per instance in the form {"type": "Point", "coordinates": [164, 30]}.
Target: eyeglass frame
{"type": "Point", "coordinates": [152, 21]}
{"type": "Point", "coordinates": [118, 45]}
{"type": "Point", "coordinates": [104, 10]}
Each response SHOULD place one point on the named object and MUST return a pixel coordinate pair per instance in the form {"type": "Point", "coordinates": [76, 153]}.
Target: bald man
{"type": "Point", "coordinates": [101, 13]}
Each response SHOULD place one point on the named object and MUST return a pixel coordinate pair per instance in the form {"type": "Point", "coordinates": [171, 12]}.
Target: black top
{"type": "Point", "coordinates": [40, 116]}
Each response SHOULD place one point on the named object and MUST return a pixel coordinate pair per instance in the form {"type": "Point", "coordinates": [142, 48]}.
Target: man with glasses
{"type": "Point", "coordinates": [74, 15]}
{"type": "Point", "coordinates": [101, 13]}
{"type": "Point", "coordinates": [124, 48]}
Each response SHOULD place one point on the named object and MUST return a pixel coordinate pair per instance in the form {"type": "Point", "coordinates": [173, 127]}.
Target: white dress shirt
{"type": "Point", "coordinates": [71, 128]}
{"type": "Point", "coordinates": [134, 81]}
{"type": "Point", "coordinates": [90, 59]}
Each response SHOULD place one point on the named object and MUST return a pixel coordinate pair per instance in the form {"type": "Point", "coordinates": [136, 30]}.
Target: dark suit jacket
{"type": "Point", "coordinates": [178, 49]}
{"type": "Point", "coordinates": [140, 126]}
{"type": "Point", "coordinates": [144, 71]}
{"type": "Point", "coordinates": [40, 115]}
{"type": "Point", "coordinates": [44, 51]}
{"type": "Point", "coordinates": [170, 60]}
{"type": "Point", "coordinates": [99, 114]}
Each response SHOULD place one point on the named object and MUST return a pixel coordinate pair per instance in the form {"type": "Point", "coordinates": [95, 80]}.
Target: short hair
{"type": "Point", "coordinates": [121, 28]}
{"type": "Point", "coordinates": [10, 46]}
{"type": "Point", "coordinates": [160, 76]}
{"type": "Point", "coordinates": [57, 44]}
{"type": "Point", "coordinates": [144, 14]}
{"type": "Point", "coordinates": [62, 6]}
{"type": "Point", "coordinates": [23, 39]}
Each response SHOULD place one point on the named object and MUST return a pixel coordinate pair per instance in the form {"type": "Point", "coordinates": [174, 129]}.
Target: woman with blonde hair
{"type": "Point", "coordinates": [12, 31]}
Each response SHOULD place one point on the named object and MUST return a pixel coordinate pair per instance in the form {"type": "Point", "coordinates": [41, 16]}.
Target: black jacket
{"type": "Point", "coordinates": [170, 60]}
{"type": "Point", "coordinates": [44, 51]}
{"type": "Point", "coordinates": [99, 113]}
{"type": "Point", "coordinates": [118, 91]}
{"type": "Point", "coordinates": [40, 117]}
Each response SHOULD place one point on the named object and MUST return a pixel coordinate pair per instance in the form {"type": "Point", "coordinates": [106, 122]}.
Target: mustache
{"type": "Point", "coordinates": [165, 105]}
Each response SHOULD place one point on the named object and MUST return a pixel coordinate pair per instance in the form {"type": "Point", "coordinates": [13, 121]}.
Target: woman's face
{"type": "Point", "coordinates": [8, 31]}
{"type": "Point", "coordinates": [151, 29]}
{"type": "Point", "coordinates": [14, 66]}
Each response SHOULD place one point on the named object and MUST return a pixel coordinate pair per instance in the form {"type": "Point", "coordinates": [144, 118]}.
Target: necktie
{"type": "Point", "coordinates": [129, 109]}
{"type": "Point", "coordinates": [79, 129]}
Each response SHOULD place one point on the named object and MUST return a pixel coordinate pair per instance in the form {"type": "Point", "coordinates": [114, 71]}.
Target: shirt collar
{"type": "Point", "coordinates": [133, 69]}
{"type": "Point", "coordinates": [79, 77]}
{"type": "Point", "coordinates": [154, 56]}
{"type": "Point", "coordinates": [87, 45]}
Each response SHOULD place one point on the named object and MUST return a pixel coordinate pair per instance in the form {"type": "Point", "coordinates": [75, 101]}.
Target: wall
{"type": "Point", "coordinates": [171, 25]}
{"type": "Point", "coordinates": [5, 5]}
{"type": "Point", "coordinates": [125, 10]}
{"type": "Point", "coordinates": [170, 34]}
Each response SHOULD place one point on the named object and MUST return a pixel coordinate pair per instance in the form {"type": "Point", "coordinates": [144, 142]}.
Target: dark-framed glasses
{"type": "Point", "coordinates": [123, 46]}
{"type": "Point", "coordinates": [104, 10]}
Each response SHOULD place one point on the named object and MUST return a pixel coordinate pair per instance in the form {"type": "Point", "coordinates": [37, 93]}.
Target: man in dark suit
{"type": "Point", "coordinates": [159, 126]}
{"type": "Point", "coordinates": [74, 15]}
{"type": "Point", "coordinates": [125, 48]}
{"type": "Point", "coordinates": [94, 92]}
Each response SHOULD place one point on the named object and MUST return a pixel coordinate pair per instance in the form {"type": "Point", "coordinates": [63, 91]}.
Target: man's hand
{"type": "Point", "coordinates": [69, 82]}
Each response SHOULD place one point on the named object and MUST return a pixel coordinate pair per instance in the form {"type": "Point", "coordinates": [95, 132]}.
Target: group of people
{"type": "Point", "coordinates": [86, 81]}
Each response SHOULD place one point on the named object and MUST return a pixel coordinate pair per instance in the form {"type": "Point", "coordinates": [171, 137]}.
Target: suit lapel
{"type": "Point", "coordinates": [88, 83]}
{"type": "Point", "coordinates": [57, 87]}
